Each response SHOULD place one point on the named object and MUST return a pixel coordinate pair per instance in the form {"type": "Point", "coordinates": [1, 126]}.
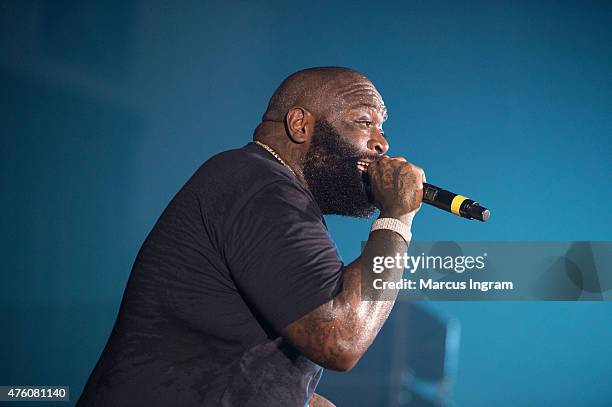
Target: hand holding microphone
{"type": "Point", "coordinates": [397, 187]}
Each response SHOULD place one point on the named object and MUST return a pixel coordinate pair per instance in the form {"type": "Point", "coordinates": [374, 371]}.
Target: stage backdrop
{"type": "Point", "coordinates": [107, 108]}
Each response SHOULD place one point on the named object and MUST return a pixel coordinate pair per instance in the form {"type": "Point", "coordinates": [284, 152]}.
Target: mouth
{"type": "Point", "coordinates": [362, 165]}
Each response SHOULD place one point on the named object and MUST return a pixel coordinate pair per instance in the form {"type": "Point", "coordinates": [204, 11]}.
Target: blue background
{"type": "Point", "coordinates": [107, 109]}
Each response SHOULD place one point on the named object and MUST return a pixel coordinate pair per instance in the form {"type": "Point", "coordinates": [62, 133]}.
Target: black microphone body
{"type": "Point", "coordinates": [454, 203]}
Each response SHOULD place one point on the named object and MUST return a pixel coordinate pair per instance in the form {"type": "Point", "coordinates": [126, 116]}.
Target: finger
{"type": "Point", "coordinates": [399, 159]}
{"type": "Point", "coordinates": [421, 173]}
{"type": "Point", "coordinates": [423, 176]}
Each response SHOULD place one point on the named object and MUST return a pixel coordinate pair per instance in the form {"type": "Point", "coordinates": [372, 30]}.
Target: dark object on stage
{"type": "Point", "coordinates": [456, 204]}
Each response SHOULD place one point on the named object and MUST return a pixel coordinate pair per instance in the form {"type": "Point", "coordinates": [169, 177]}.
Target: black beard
{"type": "Point", "coordinates": [330, 170]}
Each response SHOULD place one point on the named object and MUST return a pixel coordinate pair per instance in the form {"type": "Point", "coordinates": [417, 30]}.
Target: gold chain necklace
{"type": "Point", "coordinates": [274, 154]}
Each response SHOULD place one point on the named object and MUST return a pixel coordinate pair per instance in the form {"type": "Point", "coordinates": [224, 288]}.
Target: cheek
{"type": "Point", "coordinates": [359, 143]}
{"type": "Point", "coordinates": [357, 137]}
{"type": "Point", "coordinates": [361, 140]}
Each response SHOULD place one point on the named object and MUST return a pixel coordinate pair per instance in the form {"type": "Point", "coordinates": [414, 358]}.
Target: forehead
{"type": "Point", "coordinates": [360, 94]}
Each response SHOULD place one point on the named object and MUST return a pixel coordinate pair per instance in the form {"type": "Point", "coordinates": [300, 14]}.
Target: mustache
{"type": "Point", "coordinates": [359, 157]}
{"type": "Point", "coordinates": [371, 157]}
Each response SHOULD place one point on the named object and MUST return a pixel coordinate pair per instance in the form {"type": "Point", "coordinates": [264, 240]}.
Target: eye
{"type": "Point", "coordinates": [366, 123]}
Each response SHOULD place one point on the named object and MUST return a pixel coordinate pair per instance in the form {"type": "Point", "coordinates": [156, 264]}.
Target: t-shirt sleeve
{"type": "Point", "coordinates": [280, 255]}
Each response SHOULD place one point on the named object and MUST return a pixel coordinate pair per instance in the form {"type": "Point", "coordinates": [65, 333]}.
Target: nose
{"type": "Point", "coordinates": [378, 143]}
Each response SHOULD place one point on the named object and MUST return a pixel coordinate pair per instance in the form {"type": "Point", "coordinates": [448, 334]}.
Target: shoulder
{"type": "Point", "coordinates": [249, 177]}
{"type": "Point", "coordinates": [243, 167]}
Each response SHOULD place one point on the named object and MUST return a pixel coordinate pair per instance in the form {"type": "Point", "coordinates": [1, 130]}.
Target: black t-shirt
{"type": "Point", "coordinates": [240, 252]}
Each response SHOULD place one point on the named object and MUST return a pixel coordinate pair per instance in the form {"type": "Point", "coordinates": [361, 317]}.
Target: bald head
{"type": "Point", "coordinates": [330, 113]}
{"type": "Point", "coordinates": [321, 90]}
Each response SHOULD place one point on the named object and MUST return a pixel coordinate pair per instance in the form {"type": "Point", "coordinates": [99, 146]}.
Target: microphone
{"type": "Point", "coordinates": [454, 203]}
{"type": "Point", "coordinates": [442, 199]}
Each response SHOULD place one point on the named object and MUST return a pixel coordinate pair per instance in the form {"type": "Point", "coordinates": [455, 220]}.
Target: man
{"type": "Point", "coordinates": [237, 297]}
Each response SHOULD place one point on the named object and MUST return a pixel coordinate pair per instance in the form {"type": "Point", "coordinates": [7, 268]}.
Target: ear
{"type": "Point", "coordinates": [300, 124]}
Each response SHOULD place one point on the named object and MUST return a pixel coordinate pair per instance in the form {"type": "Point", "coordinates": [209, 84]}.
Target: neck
{"type": "Point", "coordinates": [274, 136]}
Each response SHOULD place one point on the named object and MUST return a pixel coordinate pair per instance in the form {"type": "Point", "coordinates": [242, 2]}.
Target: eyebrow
{"type": "Point", "coordinates": [373, 106]}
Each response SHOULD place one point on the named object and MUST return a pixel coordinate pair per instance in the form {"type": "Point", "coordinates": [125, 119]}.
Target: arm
{"type": "Point", "coordinates": [320, 401]}
{"type": "Point", "coordinates": [336, 334]}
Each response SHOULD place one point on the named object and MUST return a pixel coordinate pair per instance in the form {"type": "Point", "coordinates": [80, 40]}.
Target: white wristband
{"type": "Point", "coordinates": [395, 225]}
